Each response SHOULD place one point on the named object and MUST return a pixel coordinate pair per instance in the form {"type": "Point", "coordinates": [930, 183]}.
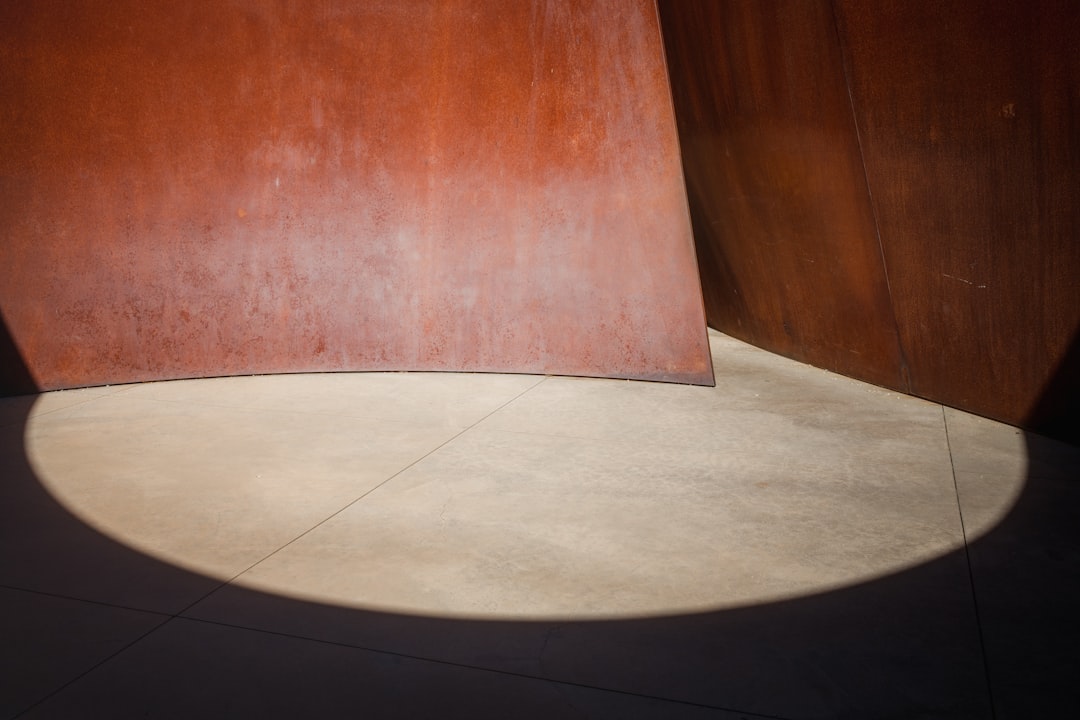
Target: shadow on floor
{"type": "Point", "coordinates": [904, 646]}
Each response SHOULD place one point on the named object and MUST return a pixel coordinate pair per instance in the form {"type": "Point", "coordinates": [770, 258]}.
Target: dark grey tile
{"type": "Point", "coordinates": [189, 669]}
{"type": "Point", "coordinates": [1026, 572]}
{"type": "Point", "coordinates": [49, 641]}
{"type": "Point", "coordinates": [903, 646]}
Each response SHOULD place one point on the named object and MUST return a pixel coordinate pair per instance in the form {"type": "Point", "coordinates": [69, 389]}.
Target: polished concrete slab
{"type": "Point", "coordinates": [788, 544]}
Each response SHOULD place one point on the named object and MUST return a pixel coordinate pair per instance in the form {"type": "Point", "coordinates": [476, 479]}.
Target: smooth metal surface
{"type": "Point", "coordinates": [969, 114]}
{"type": "Point", "coordinates": [889, 190]}
{"type": "Point", "coordinates": [191, 189]}
{"type": "Point", "coordinates": [782, 215]}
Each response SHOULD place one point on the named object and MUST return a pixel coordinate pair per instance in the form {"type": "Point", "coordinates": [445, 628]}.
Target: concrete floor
{"type": "Point", "coordinates": [788, 544]}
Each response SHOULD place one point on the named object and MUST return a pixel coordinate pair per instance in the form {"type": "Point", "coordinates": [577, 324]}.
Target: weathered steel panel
{"type": "Point", "coordinates": [785, 230]}
{"type": "Point", "coordinates": [969, 114]}
{"type": "Point", "coordinates": [889, 190]}
{"type": "Point", "coordinates": [207, 188]}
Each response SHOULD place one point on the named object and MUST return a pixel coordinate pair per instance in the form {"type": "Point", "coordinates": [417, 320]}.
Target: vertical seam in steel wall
{"type": "Point", "coordinates": [905, 374]}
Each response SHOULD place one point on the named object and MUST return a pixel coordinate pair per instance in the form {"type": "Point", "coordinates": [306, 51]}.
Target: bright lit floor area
{"type": "Point", "coordinates": [789, 544]}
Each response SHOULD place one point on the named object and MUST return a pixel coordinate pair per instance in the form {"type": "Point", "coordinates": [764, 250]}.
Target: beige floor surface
{"type": "Point", "coordinates": [789, 544]}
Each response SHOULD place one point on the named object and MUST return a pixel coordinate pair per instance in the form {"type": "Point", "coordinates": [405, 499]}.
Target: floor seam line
{"type": "Point", "coordinates": [99, 603]}
{"type": "Point", "coordinates": [64, 686]}
{"type": "Point", "coordinates": [970, 570]}
{"type": "Point", "coordinates": [466, 666]}
{"type": "Point", "coordinates": [33, 415]}
{"type": "Point", "coordinates": [261, 410]}
{"type": "Point", "coordinates": [348, 505]}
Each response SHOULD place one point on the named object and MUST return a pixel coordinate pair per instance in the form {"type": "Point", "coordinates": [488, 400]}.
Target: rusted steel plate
{"type": "Point", "coordinates": [783, 220]}
{"type": "Point", "coordinates": [968, 113]}
{"type": "Point", "coordinates": [888, 190]}
{"type": "Point", "coordinates": [205, 188]}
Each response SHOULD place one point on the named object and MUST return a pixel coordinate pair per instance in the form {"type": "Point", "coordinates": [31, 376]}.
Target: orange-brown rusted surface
{"type": "Point", "coordinates": [785, 231]}
{"type": "Point", "coordinates": [969, 114]}
{"type": "Point", "coordinates": [889, 189]}
{"type": "Point", "coordinates": [207, 188]}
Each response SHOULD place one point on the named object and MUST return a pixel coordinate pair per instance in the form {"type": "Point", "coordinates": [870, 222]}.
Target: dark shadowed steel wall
{"type": "Point", "coordinates": [969, 114]}
{"type": "Point", "coordinates": [782, 213]}
{"type": "Point", "coordinates": [211, 188]}
{"type": "Point", "coordinates": [891, 189]}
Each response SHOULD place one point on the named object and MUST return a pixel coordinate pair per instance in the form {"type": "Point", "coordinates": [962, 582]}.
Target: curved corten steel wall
{"type": "Point", "coordinates": [785, 230]}
{"type": "Point", "coordinates": [208, 188]}
{"type": "Point", "coordinates": [889, 189]}
{"type": "Point", "coordinates": [969, 114]}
